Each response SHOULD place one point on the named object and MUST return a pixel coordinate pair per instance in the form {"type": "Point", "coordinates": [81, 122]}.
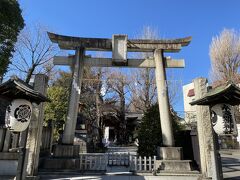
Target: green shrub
{"type": "Point", "coordinates": [149, 133]}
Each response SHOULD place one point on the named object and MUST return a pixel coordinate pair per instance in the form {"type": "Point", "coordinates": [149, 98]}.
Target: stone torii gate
{"type": "Point", "coordinates": [119, 45]}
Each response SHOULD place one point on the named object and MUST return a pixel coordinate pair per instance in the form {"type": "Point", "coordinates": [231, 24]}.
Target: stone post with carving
{"type": "Point", "coordinates": [207, 147]}
{"type": "Point", "coordinates": [34, 136]}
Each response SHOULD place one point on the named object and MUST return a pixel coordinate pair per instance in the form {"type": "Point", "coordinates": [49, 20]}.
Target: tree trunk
{"type": "Point", "coordinates": [98, 116]}
{"type": "Point", "coordinates": [1, 79]}
{"type": "Point", "coordinates": [30, 73]}
{"type": "Point", "coordinates": [122, 118]}
{"type": "Point", "coordinates": [147, 88]}
{"type": "Point", "coordinates": [99, 134]}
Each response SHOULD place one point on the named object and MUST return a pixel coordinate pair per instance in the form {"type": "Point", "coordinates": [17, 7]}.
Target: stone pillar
{"type": "Point", "coordinates": [163, 100]}
{"type": "Point", "coordinates": [69, 129]}
{"type": "Point", "coordinates": [34, 136]}
{"type": "Point", "coordinates": [208, 158]}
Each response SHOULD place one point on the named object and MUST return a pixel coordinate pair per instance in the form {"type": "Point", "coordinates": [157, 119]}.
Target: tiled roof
{"type": "Point", "coordinates": [229, 94]}
{"type": "Point", "coordinates": [15, 88]}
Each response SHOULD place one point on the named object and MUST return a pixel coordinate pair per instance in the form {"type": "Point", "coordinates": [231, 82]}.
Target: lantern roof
{"type": "Point", "coordinates": [229, 94]}
{"type": "Point", "coordinates": [15, 88]}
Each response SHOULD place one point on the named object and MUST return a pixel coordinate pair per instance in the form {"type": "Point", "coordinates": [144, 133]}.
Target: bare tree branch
{"type": "Point", "coordinates": [34, 50]}
{"type": "Point", "coordinates": [225, 60]}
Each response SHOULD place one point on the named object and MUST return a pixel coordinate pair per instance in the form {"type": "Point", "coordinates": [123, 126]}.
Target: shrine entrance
{"type": "Point", "coordinates": [120, 45]}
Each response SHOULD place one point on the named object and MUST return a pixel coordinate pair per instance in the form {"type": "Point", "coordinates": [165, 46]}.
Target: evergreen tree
{"type": "Point", "coordinates": [11, 23]}
{"type": "Point", "coordinates": [150, 135]}
{"type": "Point", "coordinates": [58, 93]}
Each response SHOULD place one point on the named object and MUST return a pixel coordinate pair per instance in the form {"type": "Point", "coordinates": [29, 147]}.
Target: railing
{"type": "Point", "coordinates": [92, 161]}
{"type": "Point", "coordinates": [100, 161]}
{"type": "Point", "coordinates": [118, 159]}
{"type": "Point", "coordinates": [142, 164]}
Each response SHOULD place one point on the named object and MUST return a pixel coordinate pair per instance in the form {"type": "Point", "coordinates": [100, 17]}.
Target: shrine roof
{"type": "Point", "coordinates": [104, 44]}
{"type": "Point", "coordinates": [15, 88]}
{"type": "Point", "coordinates": [229, 94]}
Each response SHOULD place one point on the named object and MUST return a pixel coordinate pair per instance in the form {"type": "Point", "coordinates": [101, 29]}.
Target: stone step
{"type": "Point", "coordinates": [123, 149]}
{"type": "Point", "coordinates": [121, 177]}
{"type": "Point", "coordinates": [117, 169]}
{"type": "Point", "coordinates": [7, 177]}
{"type": "Point", "coordinates": [175, 165]}
{"type": "Point", "coordinates": [57, 163]}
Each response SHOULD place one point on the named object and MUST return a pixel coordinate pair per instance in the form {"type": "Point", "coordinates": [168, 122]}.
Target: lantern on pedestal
{"type": "Point", "coordinates": [19, 96]}
{"type": "Point", "coordinates": [221, 101]}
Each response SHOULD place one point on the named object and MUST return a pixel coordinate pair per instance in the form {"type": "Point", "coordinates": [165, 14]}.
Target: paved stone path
{"type": "Point", "coordinates": [231, 166]}
{"type": "Point", "coordinates": [123, 177]}
{"type": "Point", "coordinates": [230, 163]}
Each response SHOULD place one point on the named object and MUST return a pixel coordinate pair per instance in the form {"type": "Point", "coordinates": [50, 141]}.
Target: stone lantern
{"type": "Point", "coordinates": [18, 97]}
{"type": "Point", "coordinates": [221, 101]}
{"type": "Point", "coordinates": [214, 114]}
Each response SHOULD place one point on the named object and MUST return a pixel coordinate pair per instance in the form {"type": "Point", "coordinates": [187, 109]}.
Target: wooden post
{"type": "Point", "coordinates": [7, 141]}
{"type": "Point", "coordinates": [2, 137]}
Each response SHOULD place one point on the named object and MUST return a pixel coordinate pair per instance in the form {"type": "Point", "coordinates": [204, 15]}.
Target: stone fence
{"type": "Point", "coordinates": [102, 162]}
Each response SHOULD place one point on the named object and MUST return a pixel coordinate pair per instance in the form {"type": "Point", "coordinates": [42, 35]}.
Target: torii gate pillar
{"type": "Point", "coordinates": [163, 99]}
{"type": "Point", "coordinates": [69, 129]}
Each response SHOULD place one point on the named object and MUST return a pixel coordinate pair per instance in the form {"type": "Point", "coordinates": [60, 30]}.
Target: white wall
{"type": "Point", "coordinates": [189, 110]}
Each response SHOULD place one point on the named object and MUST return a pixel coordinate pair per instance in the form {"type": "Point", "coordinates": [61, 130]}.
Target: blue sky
{"type": "Point", "coordinates": [173, 18]}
